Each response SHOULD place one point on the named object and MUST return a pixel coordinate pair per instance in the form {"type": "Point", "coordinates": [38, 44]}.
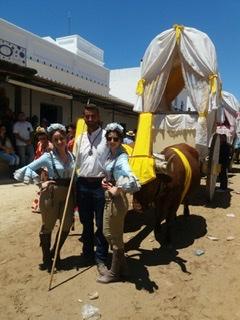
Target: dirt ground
{"type": "Point", "coordinates": [163, 285]}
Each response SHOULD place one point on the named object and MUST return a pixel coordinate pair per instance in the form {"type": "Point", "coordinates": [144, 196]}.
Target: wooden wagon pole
{"type": "Point", "coordinates": [64, 212]}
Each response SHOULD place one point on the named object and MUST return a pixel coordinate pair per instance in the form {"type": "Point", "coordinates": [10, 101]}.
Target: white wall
{"type": "Point", "coordinates": [123, 83]}
{"type": "Point", "coordinates": [82, 48]}
{"type": "Point", "coordinates": [55, 63]}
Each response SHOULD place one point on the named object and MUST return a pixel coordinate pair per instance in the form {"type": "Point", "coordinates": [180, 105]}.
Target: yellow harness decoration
{"type": "Point", "coordinates": [188, 172]}
{"type": "Point", "coordinates": [140, 156]}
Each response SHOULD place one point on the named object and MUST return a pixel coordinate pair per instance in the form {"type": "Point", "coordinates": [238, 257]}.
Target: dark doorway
{"type": "Point", "coordinates": [51, 112]}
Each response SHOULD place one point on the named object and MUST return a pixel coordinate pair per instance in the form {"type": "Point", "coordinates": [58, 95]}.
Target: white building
{"type": "Point", "coordinates": [53, 78]}
{"type": "Point", "coordinates": [123, 83]}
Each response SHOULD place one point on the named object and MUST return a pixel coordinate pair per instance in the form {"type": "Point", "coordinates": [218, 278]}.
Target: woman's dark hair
{"type": "Point", "coordinates": [119, 134]}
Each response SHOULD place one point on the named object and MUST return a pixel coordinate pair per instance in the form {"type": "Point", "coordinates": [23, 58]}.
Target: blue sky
{"type": "Point", "coordinates": [123, 29]}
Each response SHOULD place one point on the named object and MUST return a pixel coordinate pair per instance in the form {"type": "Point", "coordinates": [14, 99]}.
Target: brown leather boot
{"type": "Point", "coordinates": [45, 242]}
{"type": "Point", "coordinates": [63, 238]}
{"type": "Point", "coordinates": [124, 270]}
{"type": "Point", "coordinates": [113, 274]}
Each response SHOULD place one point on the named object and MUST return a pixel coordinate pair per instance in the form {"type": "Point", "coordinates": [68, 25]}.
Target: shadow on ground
{"type": "Point", "coordinates": [185, 229]}
{"type": "Point", "coordinates": [139, 274]}
{"type": "Point", "coordinates": [220, 199]}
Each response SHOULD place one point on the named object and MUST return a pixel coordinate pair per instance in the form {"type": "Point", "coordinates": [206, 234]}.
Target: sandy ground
{"type": "Point", "coordinates": [163, 285]}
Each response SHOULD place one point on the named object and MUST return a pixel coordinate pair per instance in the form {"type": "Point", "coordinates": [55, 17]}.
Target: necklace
{"type": "Point", "coordinates": [90, 152]}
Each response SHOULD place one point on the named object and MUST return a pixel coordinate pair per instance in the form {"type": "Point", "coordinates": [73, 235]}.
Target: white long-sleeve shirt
{"type": "Point", "coordinates": [91, 154]}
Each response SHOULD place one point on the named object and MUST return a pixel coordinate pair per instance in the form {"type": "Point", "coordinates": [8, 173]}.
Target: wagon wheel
{"type": "Point", "coordinates": [213, 166]}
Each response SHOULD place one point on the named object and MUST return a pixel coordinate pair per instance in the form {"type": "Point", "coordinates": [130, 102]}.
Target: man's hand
{"type": "Point", "coordinates": [106, 184]}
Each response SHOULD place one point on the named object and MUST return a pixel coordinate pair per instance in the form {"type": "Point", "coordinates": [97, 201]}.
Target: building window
{"type": "Point", "coordinates": [53, 113]}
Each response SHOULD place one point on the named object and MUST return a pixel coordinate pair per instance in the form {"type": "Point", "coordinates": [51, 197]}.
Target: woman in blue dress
{"type": "Point", "coordinates": [118, 180]}
{"type": "Point", "coordinates": [59, 163]}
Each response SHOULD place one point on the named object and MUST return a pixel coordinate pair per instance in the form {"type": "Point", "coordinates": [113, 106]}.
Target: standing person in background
{"type": "Point", "coordinates": [43, 144]}
{"type": "Point", "coordinates": [71, 131]}
{"type": "Point", "coordinates": [119, 180]}
{"type": "Point", "coordinates": [59, 163]}
{"type": "Point", "coordinates": [237, 149]}
{"type": "Point", "coordinates": [224, 160]}
{"type": "Point", "coordinates": [91, 154]}
{"type": "Point", "coordinates": [22, 131]}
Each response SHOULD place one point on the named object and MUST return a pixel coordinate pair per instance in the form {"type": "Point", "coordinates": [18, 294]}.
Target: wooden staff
{"type": "Point", "coordinates": [80, 123]}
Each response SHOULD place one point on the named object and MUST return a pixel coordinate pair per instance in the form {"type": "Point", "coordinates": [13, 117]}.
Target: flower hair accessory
{"type": "Point", "coordinates": [114, 126]}
{"type": "Point", "coordinates": [56, 126]}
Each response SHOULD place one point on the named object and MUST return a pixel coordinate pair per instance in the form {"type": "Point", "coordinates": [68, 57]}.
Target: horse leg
{"type": "Point", "coordinates": [157, 224]}
{"type": "Point", "coordinates": [186, 211]}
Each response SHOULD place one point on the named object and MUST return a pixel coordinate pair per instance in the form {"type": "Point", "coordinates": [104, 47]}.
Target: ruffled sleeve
{"type": "Point", "coordinates": [26, 175]}
{"type": "Point", "coordinates": [128, 184]}
{"type": "Point", "coordinates": [124, 176]}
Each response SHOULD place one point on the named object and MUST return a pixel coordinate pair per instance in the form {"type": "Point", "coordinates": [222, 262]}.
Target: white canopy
{"type": "Point", "coordinates": [230, 103]}
{"type": "Point", "coordinates": [230, 112]}
{"type": "Point", "coordinates": [179, 57]}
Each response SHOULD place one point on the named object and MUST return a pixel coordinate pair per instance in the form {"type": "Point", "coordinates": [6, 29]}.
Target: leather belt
{"type": "Point", "coordinates": [91, 179]}
{"type": "Point", "coordinates": [62, 182]}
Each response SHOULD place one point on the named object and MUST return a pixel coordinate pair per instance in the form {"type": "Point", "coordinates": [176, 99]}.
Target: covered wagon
{"type": "Point", "coordinates": [176, 59]}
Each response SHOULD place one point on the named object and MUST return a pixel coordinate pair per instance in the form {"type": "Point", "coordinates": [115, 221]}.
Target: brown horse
{"type": "Point", "coordinates": [168, 191]}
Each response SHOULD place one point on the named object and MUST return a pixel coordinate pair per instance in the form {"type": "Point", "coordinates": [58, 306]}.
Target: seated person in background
{"type": "Point", "coordinates": [7, 152]}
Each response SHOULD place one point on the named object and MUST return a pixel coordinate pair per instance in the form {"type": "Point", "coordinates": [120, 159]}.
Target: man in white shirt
{"type": "Point", "coordinates": [91, 154]}
{"type": "Point", "coordinates": [22, 131]}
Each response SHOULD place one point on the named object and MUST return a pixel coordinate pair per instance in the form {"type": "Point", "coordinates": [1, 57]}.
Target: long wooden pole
{"type": "Point", "coordinates": [65, 210]}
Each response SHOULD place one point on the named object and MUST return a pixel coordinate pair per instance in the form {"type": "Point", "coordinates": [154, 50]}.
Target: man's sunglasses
{"type": "Point", "coordinates": [115, 139]}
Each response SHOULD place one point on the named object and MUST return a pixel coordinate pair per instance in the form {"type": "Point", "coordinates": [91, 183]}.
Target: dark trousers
{"type": "Point", "coordinates": [91, 201]}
